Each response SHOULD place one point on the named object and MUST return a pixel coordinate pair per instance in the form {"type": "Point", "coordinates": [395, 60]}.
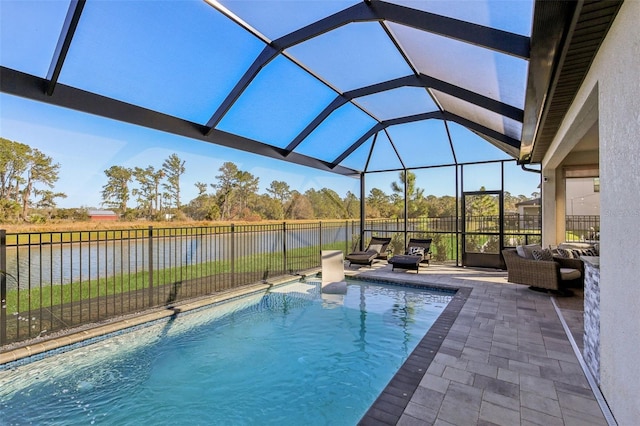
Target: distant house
{"type": "Point", "coordinates": [102, 215]}
{"type": "Point", "coordinates": [529, 207]}
{"type": "Point", "coordinates": [529, 214]}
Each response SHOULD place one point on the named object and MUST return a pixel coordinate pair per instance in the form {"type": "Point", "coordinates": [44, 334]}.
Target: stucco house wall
{"type": "Point", "coordinates": [610, 97]}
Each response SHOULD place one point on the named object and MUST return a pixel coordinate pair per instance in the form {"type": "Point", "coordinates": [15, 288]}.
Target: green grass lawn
{"type": "Point", "coordinates": [256, 265]}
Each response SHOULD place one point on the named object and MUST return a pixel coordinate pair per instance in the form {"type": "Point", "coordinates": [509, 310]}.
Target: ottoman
{"type": "Point", "coordinates": [405, 261]}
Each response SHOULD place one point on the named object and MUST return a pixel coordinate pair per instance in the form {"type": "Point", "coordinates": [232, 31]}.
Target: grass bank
{"type": "Point", "coordinates": [252, 267]}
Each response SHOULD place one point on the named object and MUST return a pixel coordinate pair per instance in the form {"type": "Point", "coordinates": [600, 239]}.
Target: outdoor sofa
{"type": "Point", "coordinates": [541, 270]}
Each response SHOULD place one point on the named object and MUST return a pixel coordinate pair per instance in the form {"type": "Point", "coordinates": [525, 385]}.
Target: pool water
{"type": "Point", "coordinates": [290, 356]}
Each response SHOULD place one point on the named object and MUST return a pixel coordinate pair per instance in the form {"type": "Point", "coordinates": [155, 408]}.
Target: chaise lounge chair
{"type": "Point", "coordinates": [418, 251]}
{"type": "Point", "coordinates": [377, 249]}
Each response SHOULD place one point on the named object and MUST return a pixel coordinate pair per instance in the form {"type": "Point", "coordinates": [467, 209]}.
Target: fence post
{"type": "Point", "coordinates": [352, 233]}
{"type": "Point", "coordinates": [150, 266]}
{"type": "Point", "coordinates": [233, 255]}
{"type": "Point", "coordinates": [284, 247]}
{"type": "Point", "coordinates": [3, 286]}
{"type": "Point", "coordinates": [346, 236]}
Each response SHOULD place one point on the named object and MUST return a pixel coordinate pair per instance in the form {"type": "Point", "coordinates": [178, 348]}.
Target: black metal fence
{"type": "Point", "coordinates": [51, 281]}
{"type": "Point", "coordinates": [481, 233]}
{"type": "Point", "coordinates": [55, 280]}
{"type": "Point", "coordinates": [582, 228]}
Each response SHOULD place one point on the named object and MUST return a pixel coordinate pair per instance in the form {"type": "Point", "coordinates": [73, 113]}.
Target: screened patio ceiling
{"type": "Point", "coordinates": [343, 86]}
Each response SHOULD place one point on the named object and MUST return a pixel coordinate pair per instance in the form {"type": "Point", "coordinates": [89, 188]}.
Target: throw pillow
{"type": "Point", "coordinates": [375, 247]}
{"type": "Point", "coordinates": [416, 251]}
{"type": "Point", "coordinates": [581, 252]}
{"type": "Point", "coordinates": [544, 254]}
{"type": "Point", "coordinates": [564, 253]}
{"type": "Point", "coordinates": [576, 253]}
{"type": "Point", "coordinates": [529, 248]}
{"type": "Point", "coordinates": [520, 251]}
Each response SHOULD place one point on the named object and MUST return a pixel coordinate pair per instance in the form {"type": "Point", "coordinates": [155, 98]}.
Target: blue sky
{"type": "Point", "coordinates": [186, 58]}
{"type": "Point", "coordinates": [86, 145]}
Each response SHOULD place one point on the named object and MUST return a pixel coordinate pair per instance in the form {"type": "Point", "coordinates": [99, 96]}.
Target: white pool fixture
{"type": "Point", "coordinates": [333, 272]}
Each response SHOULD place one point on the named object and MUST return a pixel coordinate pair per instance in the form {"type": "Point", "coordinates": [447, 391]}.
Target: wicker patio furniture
{"type": "Point", "coordinates": [548, 275]}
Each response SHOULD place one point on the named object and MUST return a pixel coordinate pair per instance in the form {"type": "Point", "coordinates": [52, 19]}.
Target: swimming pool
{"type": "Point", "coordinates": [290, 356]}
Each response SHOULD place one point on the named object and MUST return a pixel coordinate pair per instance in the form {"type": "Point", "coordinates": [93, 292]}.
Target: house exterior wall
{"type": "Point", "coordinates": [612, 82]}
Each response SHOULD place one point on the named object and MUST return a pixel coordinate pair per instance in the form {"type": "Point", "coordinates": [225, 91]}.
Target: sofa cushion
{"type": "Point", "coordinates": [574, 250]}
{"type": "Point", "coordinates": [375, 247]}
{"type": "Point", "coordinates": [564, 253]}
{"type": "Point", "coordinates": [575, 245]}
{"type": "Point", "coordinates": [569, 274]}
{"type": "Point", "coordinates": [543, 254]}
{"type": "Point", "coordinates": [584, 252]}
{"type": "Point", "coordinates": [528, 250]}
{"type": "Point", "coordinates": [576, 253]}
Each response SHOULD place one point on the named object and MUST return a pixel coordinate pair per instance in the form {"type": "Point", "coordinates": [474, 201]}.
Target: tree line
{"type": "Point", "coordinates": [156, 192]}
{"type": "Point", "coordinates": [27, 179]}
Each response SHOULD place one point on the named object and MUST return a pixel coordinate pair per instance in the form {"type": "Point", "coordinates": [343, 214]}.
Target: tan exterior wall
{"type": "Point", "coordinates": [614, 84]}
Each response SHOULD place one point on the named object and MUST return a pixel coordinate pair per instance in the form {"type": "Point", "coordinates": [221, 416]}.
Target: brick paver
{"type": "Point", "coordinates": [504, 360]}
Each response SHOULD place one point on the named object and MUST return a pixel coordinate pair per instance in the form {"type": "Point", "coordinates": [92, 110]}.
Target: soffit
{"type": "Point", "coordinates": [579, 38]}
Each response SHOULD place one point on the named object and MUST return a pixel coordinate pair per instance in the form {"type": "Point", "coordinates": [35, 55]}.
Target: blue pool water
{"type": "Point", "coordinates": [291, 356]}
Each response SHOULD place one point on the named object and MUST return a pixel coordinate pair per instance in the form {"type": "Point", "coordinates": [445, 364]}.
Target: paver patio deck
{"type": "Point", "coordinates": [505, 360]}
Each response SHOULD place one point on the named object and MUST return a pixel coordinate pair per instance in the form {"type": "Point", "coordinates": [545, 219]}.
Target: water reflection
{"type": "Point", "coordinates": [54, 264]}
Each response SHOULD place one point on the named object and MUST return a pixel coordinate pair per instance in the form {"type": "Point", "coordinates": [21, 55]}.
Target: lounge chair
{"type": "Point", "coordinates": [377, 249]}
{"type": "Point", "coordinates": [418, 251]}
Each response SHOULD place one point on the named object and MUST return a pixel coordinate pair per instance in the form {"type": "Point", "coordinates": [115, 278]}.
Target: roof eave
{"type": "Point", "coordinates": [556, 72]}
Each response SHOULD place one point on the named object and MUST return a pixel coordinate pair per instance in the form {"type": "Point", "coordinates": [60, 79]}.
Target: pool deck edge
{"type": "Point", "coordinates": [390, 405]}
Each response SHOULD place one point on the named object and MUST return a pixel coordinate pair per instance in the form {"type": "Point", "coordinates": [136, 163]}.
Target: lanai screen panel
{"type": "Point", "coordinates": [492, 74]}
{"type": "Point", "coordinates": [311, 82]}
{"type": "Point", "coordinates": [478, 177]}
{"type": "Point", "coordinates": [164, 56]}
{"type": "Point", "coordinates": [278, 104]}
{"type": "Point", "coordinates": [508, 15]}
{"type": "Point", "coordinates": [479, 115]}
{"type": "Point", "coordinates": [423, 143]}
{"type": "Point", "coordinates": [336, 133]}
{"type": "Point", "coordinates": [384, 156]}
{"type": "Point", "coordinates": [277, 18]}
{"type": "Point", "coordinates": [351, 56]}
{"type": "Point", "coordinates": [469, 147]}
{"type": "Point", "coordinates": [29, 33]}
{"type": "Point", "coordinates": [396, 103]}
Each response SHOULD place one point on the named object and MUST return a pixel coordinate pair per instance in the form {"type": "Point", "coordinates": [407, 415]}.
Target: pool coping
{"type": "Point", "coordinates": [390, 405]}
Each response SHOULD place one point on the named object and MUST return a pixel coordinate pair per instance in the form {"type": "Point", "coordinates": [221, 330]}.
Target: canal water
{"type": "Point", "coordinates": [53, 264]}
